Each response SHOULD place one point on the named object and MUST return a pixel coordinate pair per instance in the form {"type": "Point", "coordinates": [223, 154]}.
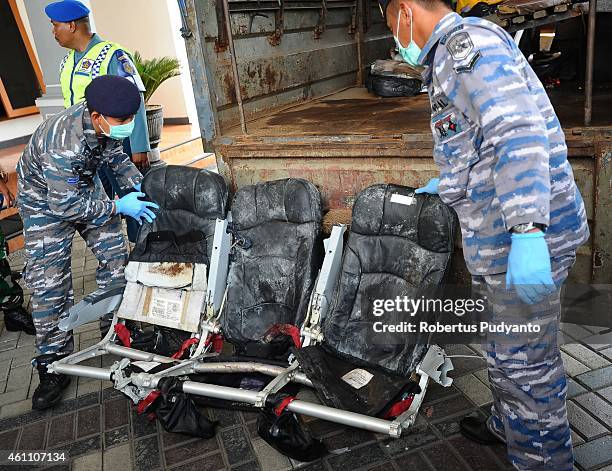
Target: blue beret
{"type": "Point", "coordinates": [113, 96]}
{"type": "Point", "coordinates": [66, 10]}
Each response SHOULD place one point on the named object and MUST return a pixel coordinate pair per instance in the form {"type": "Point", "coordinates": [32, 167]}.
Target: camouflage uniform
{"type": "Point", "coordinates": [503, 161]}
{"type": "Point", "coordinates": [59, 193]}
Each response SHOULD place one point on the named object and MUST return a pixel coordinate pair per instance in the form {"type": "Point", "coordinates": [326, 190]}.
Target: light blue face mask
{"type": "Point", "coordinates": [412, 52]}
{"type": "Point", "coordinates": [120, 131]}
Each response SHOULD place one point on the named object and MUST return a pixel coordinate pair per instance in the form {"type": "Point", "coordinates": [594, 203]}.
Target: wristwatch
{"type": "Point", "coordinates": [526, 227]}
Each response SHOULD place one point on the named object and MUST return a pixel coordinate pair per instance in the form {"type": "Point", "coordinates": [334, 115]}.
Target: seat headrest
{"type": "Point", "coordinates": [387, 209]}
{"type": "Point", "coordinates": [175, 187]}
{"type": "Point", "coordinates": [288, 200]}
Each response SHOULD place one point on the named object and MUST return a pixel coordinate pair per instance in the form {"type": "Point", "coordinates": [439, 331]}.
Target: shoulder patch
{"type": "Point", "coordinates": [460, 45]}
{"type": "Point", "coordinates": [468, 65]}
{"type": "Point", "coordinates": [126, 63]}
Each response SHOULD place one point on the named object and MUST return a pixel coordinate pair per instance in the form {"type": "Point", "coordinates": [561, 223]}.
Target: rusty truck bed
{"type": "Point", "coordinates": [355, 111]}
{"type": "Point", "coordinates": [349, 140]}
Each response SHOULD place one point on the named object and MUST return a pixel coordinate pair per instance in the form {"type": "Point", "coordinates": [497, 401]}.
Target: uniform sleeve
{"type": "Point", "coordinates": [66, 199]}
{"type": "Point", "coordinates": [483, 75]}
{"type": "Point", "coordinates": [125, 171]}
{"type": "Point", "coordinates": [121, 64]}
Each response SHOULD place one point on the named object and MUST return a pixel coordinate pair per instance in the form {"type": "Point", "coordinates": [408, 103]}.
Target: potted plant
{"type": "Point", "coordinates": [153, 73]}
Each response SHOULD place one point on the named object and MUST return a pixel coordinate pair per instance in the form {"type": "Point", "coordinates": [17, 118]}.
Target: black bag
{"type": "Point", "coordinates": [287, 434]}
{"type": "Point", "coordinates": [177, 412]}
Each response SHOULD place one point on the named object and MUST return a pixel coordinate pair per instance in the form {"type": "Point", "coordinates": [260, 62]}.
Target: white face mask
{"type": "Point", "coordinates": [410, 53]}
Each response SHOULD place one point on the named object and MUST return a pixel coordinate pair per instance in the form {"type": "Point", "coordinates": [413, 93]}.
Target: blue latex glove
{"type": "Point", "coordinates": [529, 270]}
{"type": "Point", "coordinates": [131, 206]}
{"type": "Point", "coordinates": [431, 187]}
{"type": "Point", "coordinates": [138, 187]}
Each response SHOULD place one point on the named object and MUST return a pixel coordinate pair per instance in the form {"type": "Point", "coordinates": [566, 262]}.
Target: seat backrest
{"type": "Point", "coordinates": [272, 272]}
{"type": "Point", "coordinates": [168, 267]}
{"type": "Point", "coordinates": [190, 201]}
{"type": "Point", "coordinates": [399, 244]}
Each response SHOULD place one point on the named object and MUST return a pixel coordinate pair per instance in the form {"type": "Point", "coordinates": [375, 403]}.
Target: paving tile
{"type": "Point", "coordinates": [596, 379]}
{"type": "Point", "coordinates": [236, 444]}
{"type": "Point", "coordinates": [117, 436]}
{"type": "Point", "coordinates": [23, 355]}
{"type": "Point", "coordinates": [19, 378]}
{"type": "Point", "coordinates": [23, 419]}
{"type": "Point", "coordinates": [585, 355]}
{"type": "Point", "coordinates": [586, 425]}
{"type": "Point", "coordinates": [88, 421]}
{"type": "Point", "coordinates": [146, 454]}
{"type": "Point", "coordinates": [346, 438]}
{"type": "Point", "coordinates": [412, 462]}
{"type": "Point", "coordinates": [16, 408]}
{"type": "Point", "coordinates": [226, 418]}
{"type": "Point", "coordinates": [599, 341]}
{"type": "Point", "coordinates": [88, 387]}
{"type": "Point", "coordinates": [83, 446]}
{"type": "Point", "coordinates": [477, 456]}
{"type": "Point", "coordinates": [607, 352]}
{"type": "Point", "coordinates": [574, 389]}
{"type": "Point", "coordinates": [595, 453]}
{"type": "Point", "coordinates": [576, 439]}
{"type": "Point", "coordinates": [33, 436]}
{"type": "Point", "coordinates": [597, 407]}
{"type": "Point", "coordinates": [142, 426]}
{"type": "Point", "coordinates": [173, 439]}
{"type": "Point", "coordinates": [118, 458]}
{"type": "Point", "coordinates": [115, 413]}
{"type": "Point", "coordinates": [606, 393]}
{"type": "Point", "coordinates": [474, 389]}
{"type": "Point", "coordinates": [190, 450]}
{"type": "Point", "coordinates": [410, 440]}
{"type": "Point", "coordinates": [446, 408]}
{"type": "Point", "coordinates": [91, 462]}
{"type": "Point", "coordinates": [250, 466]}
{"type": "Point", "coordinates": [436, 392]}
{"type": "Point", "coordinates": [449, 427]}
{"type": "Point", "coordinates": [270, 459]}
{"type": "Point", "coordinates": [212, 462]}
{"type": "Point", "coordinates": [80, 402]}
{"type": "Point", "coordinates": [10, 397]}
{"type": "Point", "coordinates": [360, 458]}
{"type": "Point", "coordinates": [8, 440]}
{"type": "Point", "coordinates": [61, 430]}
{"type": "Point", "coordinates": [575, 331]}
{"type": "Point", "coordinates": [572, 366]}
{"type": "Point", "coordinates": [5, 366]}
{"type": "Point", "coordinates": [441, 457]}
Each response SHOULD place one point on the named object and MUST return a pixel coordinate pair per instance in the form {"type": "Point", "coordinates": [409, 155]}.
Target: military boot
{"type": "Point", "coordinates": [19, 319]}
{"type": "Point", "coordinates": [477, 430]}
{"type": "Point", "coordinates": [49, 391]}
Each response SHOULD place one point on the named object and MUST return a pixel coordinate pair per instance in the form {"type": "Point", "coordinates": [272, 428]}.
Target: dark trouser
{"type": "Point", "coordinates": [111, 187]}
{"type": "Point", "coordinates": [527, 376]}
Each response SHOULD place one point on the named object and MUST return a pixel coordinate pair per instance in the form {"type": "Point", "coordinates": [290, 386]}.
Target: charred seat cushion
{"type": "Point", "coordinates": [399, 245]}
{"type": "Point", "coordinates": [190, 201]}
{"type": "Point", "coordinates": [272, 272]}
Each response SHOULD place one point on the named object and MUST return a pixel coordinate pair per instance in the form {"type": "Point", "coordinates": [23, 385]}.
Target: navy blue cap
{"type": "Point", "coordinates": [66, 10]}
{"type": "Point", "coordinates": [383, 4]}
{"type": "Point", "coordinates": [113, 96]}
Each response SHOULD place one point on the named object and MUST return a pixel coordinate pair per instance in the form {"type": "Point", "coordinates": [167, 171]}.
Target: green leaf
{"type": "Point", "coordinates": [154, 72]}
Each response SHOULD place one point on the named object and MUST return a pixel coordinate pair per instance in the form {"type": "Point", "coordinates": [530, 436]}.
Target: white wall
{"type": "Point", "coordinates": [145, 26]}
